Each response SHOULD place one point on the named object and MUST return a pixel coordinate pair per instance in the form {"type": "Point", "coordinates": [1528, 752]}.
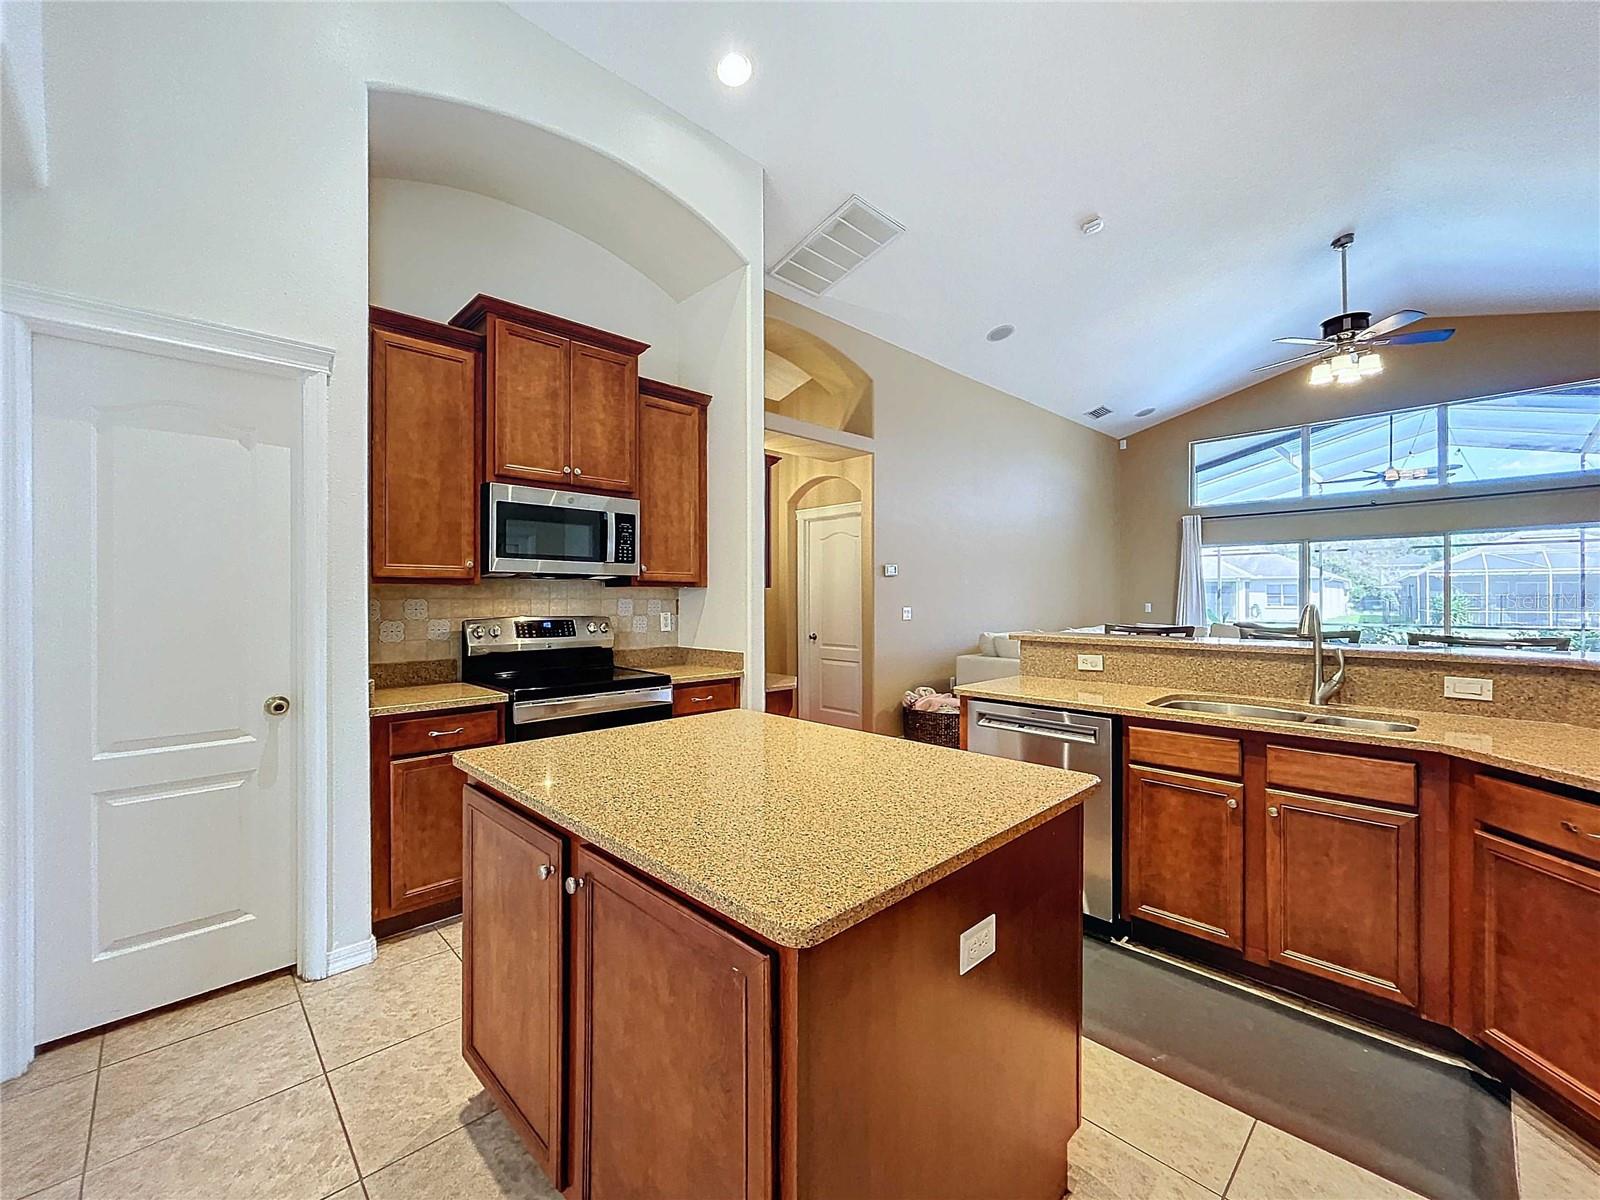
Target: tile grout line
{"type": "Point", "coordinates": [191, 1037]}
{"type": "Point", "coordinates": [94, 1102]}
{"type": "Point", "coordinates": [332, 1095]}
{"type": "Point", "coordinates": [425, 1145]}
{"type": "Point", "coordinates": [1231, 1174]}
{"type": "Point", "coordinates": [1161, 1162]}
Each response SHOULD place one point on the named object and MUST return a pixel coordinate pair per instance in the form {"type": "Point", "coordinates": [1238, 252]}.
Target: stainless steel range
{"type": "Point", "coordinates": [560, 674]}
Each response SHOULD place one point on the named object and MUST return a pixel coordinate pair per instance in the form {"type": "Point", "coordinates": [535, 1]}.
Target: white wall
{"type": "Point", "coordinates": [210, 160]}
{"type": "Point", "coordinates": [433, 248]}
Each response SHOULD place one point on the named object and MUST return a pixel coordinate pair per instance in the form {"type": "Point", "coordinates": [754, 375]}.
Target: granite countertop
{"type": "Point", "coordinates": [793, 829]}
{"type": "Point", "coordinates": [781, 683]}
{"type": "Point", "coordinates": [430, 697]}
{"type": "Point", "coordinates": [692, 672]}
{"type": "Point", "coordinates": [1567, 754]}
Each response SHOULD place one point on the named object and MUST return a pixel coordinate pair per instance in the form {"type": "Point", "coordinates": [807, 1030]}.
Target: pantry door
{"type": "Point", "coordinates": [829, 586]}
{"type": "Point", "coordinates": [167, 728]}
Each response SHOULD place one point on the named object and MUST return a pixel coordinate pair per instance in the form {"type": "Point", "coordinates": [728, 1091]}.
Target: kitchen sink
{"type": "Point", "coordinates": [1289, 716]}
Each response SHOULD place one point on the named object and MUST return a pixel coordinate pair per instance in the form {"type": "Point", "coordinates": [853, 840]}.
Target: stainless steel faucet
{"type": "Point", "coordinates": [1311, 627]}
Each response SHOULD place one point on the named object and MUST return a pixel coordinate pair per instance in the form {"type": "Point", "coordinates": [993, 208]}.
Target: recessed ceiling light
{"type": "Point", "coordinates": [1144, 412]}
{"type": "Point", "coordinates": [735, 69]}
{"type": "Point", "coordinates": [1092, 225]}
{"type": "Point", "coordinates": [1000, 333]}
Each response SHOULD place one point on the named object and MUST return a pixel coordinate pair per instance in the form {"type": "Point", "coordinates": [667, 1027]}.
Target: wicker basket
{"type": "Point", "coordinates": [935, 728]}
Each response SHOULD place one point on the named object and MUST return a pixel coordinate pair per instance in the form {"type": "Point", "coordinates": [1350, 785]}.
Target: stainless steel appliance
{"type": "Point", "coordinates": [560, 674]}
{"type": "Point", "coordinates": [1079, 742]}
{"type": "Point", "coordinates": [539, 531]}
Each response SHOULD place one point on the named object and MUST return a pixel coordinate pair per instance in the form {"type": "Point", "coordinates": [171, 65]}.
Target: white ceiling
{"type": "Point", "coordinates": [1224, 144]}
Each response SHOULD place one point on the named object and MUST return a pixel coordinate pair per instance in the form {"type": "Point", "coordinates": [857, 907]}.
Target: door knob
{"type": "Point", "coordinates": [275, 706]}
{"type": "Point", "coordinates": [812, 636]}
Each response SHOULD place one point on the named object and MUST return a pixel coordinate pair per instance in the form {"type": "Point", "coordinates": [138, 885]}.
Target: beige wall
{"type": "Point", "coordinates": [1487, 355]}
{"type": "Point", "coordinates": [999, 514]}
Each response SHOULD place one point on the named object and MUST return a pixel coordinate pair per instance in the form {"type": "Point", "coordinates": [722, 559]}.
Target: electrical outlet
{"type": "Point", "coordinates": [977, 943]}
{"type": "Point", "coordinates": [666, 622]}
{"type": "Point", "coordinates": [1091, 662]}
{"type": "Point", "coordinates": [905, 613]}
{"type": "Point", "coordinates": [890, 570]}
{"type": "Point", "coordinates": [1148, 607]}
{"type": "Point", "coordinates": [1464, 687]}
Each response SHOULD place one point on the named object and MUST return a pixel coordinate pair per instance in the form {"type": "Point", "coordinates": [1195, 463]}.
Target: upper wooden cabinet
{"type": "Point", "coordinates": [672, 484]}
{"type": "Point", "coordinates": [425, 424]}
{"type": "Point", "coordinates": [561, 399]}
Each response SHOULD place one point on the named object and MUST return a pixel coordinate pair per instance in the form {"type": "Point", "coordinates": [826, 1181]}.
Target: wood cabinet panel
{"type": "Point", "coordinates": [528, 407]}
{"type": "Point", "coordinates": [672, 489]}
{"type": "Point", "coordinates": [691, 698]}
{"type": "Point", "coordinates": [604, 423]}
{"type": "Point", "coordinates": [1185, 853]}
{"type": "Point", "coordinates": [1385, 780]}
{"type": "Point", "coordinates": [1538, 919]}
{"type": "Point", "coordinates": [1202, 753]}
{"type": "Point", "coordinates": [1342, 893]}
{"type": "Point", "coordinates": [780, 702]}
{"type": "Point", "coordinates": [424, 427]}
{"type": "Point", "coordinates": [671, 1046]}
{"type": "Point", "coordinates": [513, 972]}
{"type": "Point", "coordinates": [451, 730]}
{"type": "Point", "coordinates": [1553, 820]}
{"type": "Point", "coordinates": [424, 831]}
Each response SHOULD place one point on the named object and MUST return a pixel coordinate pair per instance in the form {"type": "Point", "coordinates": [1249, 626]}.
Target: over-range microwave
{"type": "Point", "coordinates": [538, 531]}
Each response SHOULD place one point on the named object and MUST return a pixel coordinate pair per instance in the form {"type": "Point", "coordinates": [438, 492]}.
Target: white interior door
{"type": "Point", "coordinates": [829, 581]}
{"type": "Point", "coordinates": [165, 796]}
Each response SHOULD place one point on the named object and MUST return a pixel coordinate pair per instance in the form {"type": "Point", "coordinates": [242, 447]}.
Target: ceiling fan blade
{"type": "Point", "coordinates": [1389, 324]}
{"type": "Point", "coordinates": [1424, 335]}
{"type": "Point", "coordinates": [1287, 362]}
{"type": "Point", "coordinates": [1304, 341]}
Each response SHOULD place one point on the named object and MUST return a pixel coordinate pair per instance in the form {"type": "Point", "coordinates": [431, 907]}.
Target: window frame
{"type": "Point", "coordinates": [1442, 490]}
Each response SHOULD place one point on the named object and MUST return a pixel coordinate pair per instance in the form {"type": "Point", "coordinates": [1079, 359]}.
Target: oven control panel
{"type": "Point", "coordinates": [481, 635]}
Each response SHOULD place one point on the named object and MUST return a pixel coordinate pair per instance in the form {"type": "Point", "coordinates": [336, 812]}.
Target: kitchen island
{"type": "Point", "coordinates": [742, 955]}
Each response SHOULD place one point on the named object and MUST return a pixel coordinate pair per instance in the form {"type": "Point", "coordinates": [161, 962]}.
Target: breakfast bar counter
{"type": "Point", "coordinates": [848, 963]}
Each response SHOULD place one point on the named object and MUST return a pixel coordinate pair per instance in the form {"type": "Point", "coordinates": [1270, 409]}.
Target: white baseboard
{"type": "Point", "coordinates": [348, 958]}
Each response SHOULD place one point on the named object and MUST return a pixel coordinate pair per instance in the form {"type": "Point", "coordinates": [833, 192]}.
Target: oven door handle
{"type": "Point", "coordinates": [1061, 733]}
{"type": "Point", "coordinates": [528, 712]}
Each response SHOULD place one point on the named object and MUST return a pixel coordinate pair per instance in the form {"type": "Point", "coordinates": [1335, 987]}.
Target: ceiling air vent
{"type": "Point", "coordinates": [1094, 414]}
{"type": "Point", "coordinates": [851, 235]}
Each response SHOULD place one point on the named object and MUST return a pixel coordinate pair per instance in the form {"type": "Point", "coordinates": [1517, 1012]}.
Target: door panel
{"type": "Point", "coordinates": [512, 951]}
{"type": "Point", "coordinates": [605, 419]}
{"type": "Point", "coordinates": [528, 404]}
{"type": "Point", "coordinates": [1185, 868]}
{"type": "Point", "coordinates": [1342, 893]}
{"type": "Point", "coordinates": [1538, 926]}
{"type": "Point", "coordinates": [830, 609]}
{"type": "Point", "coordinates": [424, 831]}
{"type": "Point", "coordinates": [672, 1047]}
{"type": "Point", "coordinates": [672, 492]}
{"type": "Point", "coordinates": [165, 851]}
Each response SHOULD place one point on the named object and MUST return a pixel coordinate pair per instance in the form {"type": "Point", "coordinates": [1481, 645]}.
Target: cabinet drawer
{"type": "Point", "coordinates": [1385, 780]}
{"type": "Point", "coordinates": [688, 698]}
{"type": "Point", "coordinates": [445, 731]}
{"type": "Point", "coordinates": [1196, 752]}
{"type": "Point", "coordinates": [1540, 816]}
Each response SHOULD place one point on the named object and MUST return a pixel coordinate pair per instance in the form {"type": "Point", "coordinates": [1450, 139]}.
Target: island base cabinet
{"type": "Point", "coordinates": [1539, 927]}
{"type": "Point", "coordinates": [512, 963]}
{"type": "Point", "coordinates": [671, 1046]}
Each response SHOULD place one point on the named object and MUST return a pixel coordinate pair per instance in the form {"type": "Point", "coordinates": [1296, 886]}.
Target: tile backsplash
{"type": "Point", "coordinates": [422, 622]}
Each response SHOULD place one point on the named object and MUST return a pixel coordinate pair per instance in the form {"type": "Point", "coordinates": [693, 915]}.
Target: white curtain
{"type": "Point", "coordinates": [1191, 587]}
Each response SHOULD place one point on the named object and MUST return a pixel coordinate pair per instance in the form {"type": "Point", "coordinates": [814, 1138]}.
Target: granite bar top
{"type": "Point", "coordinates": [1568, 754]}
{"type": "Point", "coordinates": [431, 697]}
{"type": "Point", "coordinates": [781, 683]}
{"type": "Point", "coordinates": [793, 829]}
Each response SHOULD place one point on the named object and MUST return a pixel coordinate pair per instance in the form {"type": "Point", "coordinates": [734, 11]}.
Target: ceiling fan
{"type": "Point", "coordinates": [1392, 475]}
{"type": "Point", "coordinates": [1346, 350]}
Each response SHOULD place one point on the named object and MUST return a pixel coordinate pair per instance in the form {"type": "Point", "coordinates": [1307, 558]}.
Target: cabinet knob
{"type": "Point", "coordinates": [573, 885]}
{"type": "Point", "coordinates": [566, 470]}
{"type": "Point", "coordinates": [469, 562]}
{"type": "Point", "coordinates": [546, 870]}
{"type": "Point", "coordinates": [1272, 810]}
{"type": "Point", "coordinates": [577, 470]}
{"type": "Point", "coordinates": [1232, 803]}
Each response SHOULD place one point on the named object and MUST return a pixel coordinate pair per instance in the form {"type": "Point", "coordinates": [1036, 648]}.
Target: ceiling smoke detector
{"type": "Point", "coordinates": [853, 233]}
{"type": "Point", "coordinates": [1094, 414]}
{"type": "Point", "coordinates": [1000, 333]}
{"type": "Point", "coordinates": [1092, 225]}
{"type": "Point", "coordinates": [1144, 412]}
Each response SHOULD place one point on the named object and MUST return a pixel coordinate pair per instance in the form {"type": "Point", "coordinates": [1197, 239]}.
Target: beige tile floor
{"type": "Point", "coordinates": [353, 1087]}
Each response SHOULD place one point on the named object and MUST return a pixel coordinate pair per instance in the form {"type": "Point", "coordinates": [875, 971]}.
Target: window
{"type": "Point", "coordinates": [1541, 581]}
{"type": "Point", "coordinates": [1550, 435]}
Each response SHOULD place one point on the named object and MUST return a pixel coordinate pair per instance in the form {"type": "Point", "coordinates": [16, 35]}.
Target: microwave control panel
{"type": "Point", "coordinates": [627, 550]}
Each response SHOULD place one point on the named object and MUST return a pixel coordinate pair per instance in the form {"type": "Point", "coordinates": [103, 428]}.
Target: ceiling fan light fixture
{"type": "Point", "coordinates": [1321, 375]}
{"type": "Point", "coordinates": [1371, 364]}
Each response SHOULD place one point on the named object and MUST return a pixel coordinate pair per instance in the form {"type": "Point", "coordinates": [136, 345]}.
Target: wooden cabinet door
{"type": "Point", "coordinates": [1342, 893]}
{"type": "Point", "coordinates": [671, 1044]}
{"type": "Point", "coordinates": [672, 492]}
{"type": "Point", "coordinates": [512, 955]}
{"type": "Point", "coordinates": [528, 405]}
{"type": "Point", "coordinates": [1538, 927]}
{"type": "Point", "coordinates": [424, 831]}
{"type": "Point", "coordinates": [605, 419]}
{"type": "Point", "coordinates": [1185, 853]}
{"type": "Point", "coordinates": [424, 434]}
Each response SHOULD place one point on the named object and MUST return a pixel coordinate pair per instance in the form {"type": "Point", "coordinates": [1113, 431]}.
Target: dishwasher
{"type": "Point", "coordinates": [1078, 742]}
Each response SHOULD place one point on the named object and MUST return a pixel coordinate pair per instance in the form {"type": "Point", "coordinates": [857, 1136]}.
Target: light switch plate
{"type": "Point", "coordinates": [1091, 662]}
{"type": "Point", "coordinates": [890, 570]}
{"type": "Point", "coordinates": [977, 943]}
{"type": "Point", "coordinates": [905, 613]}
{"type": "Point", "coordinates": [1465, 687]}
{"type": "Point", "coordinates": [1149, 608]}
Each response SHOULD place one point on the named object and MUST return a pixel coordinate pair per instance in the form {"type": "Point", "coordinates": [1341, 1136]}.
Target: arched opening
{"type": "Point", "coordinates": [810, 380]}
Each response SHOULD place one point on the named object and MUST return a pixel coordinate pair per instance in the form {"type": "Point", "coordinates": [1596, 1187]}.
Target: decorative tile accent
{"type": "Point", "coordinates": [641, 624]}
{"type": "Point", "coordinates": [652, 607]}
{"type": "Point", "coordinates": [374, 610]}
{"type": "Point", "coordinates": [392, 631]}
{"type": "Point", "coordinates": [416, 610]}
{"type": "Point", "coordinates": [624, 606]}
{"type": "Point", "coordinates": [440, 631]}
